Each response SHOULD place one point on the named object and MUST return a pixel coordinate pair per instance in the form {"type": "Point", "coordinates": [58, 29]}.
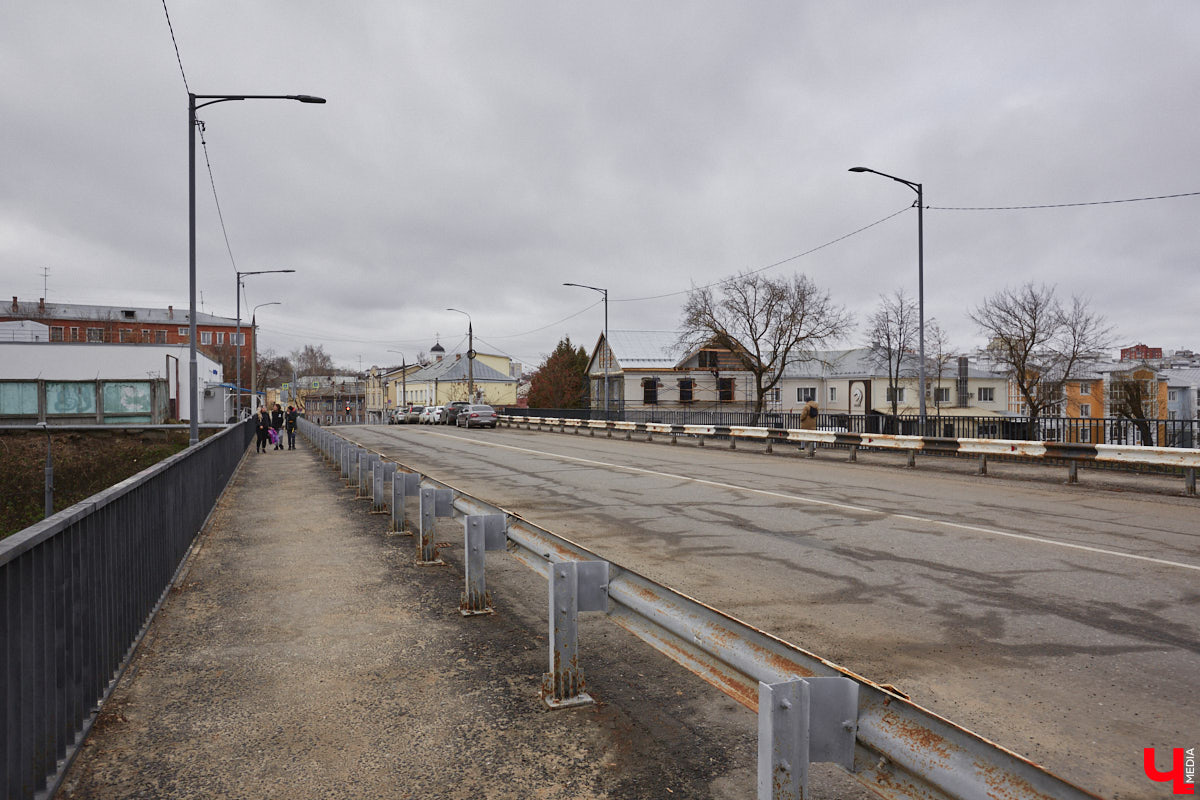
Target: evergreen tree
{"type": "Point", "coordinates": [561, 380]}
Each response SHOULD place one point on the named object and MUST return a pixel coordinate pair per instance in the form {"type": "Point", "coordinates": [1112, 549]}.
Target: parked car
{"type": "Point", "coordinates": [431, 415]}
{"type": "Point", "coordinates": [451, 411]}
{"type": "Point", "coordinates": [480, 416]}
{"type": "Point", "coordinates": [413, 415]}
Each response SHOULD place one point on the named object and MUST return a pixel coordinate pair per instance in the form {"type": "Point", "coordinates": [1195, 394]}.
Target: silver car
{"type": "Point", "coordinates": [477, 417]}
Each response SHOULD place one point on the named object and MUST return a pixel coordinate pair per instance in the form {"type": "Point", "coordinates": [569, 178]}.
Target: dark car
{"type": "Point", "coordinates": [477, 417]}
{"type": "Point", "coordinates": [450, 413]}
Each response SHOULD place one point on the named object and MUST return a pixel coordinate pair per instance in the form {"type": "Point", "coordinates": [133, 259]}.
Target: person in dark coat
{"type": "Point", "coordinates": [262, 424]}
{"type": "Point", "coordinates": [290, 422]}
{"type": "Point", "coordinates": [277, 424]}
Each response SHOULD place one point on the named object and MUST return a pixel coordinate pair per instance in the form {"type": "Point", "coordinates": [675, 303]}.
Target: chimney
{"type": "Point", "coordinates": [170, 312]}
{"type": "Point", "coordinates": [964, 395]}
{"type": "Point", "coordinates": [14, 304]}
{"type": "Point", "coordinates": [41, 305]}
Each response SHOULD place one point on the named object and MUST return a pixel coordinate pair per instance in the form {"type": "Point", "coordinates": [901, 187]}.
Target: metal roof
{"type": "Point", "coordinates": [30, 309]}
{"type": "Point", "coordinates": [645, 349]}
{"type": "Point", "coordinates": [455, 369]}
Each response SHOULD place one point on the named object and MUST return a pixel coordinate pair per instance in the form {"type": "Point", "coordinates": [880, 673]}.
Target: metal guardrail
{"type": "Point", "coordinates": [1187, 460]}
{"type": "Point", "coordinates": [809, 708]}
{"type": "Point", "coordinates": [79, 590]}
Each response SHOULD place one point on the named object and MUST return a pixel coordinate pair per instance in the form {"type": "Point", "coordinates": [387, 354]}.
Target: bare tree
{"type": "Point", "coordinates": [1039, 341]}
{"type": "Point", "coordinates": [312, 360]}
{"type": "Point", "coordinates": [1133, 395]}
{"type": "Point", "coordinates": [767, 323]}
{"type": "Point", "coordinates": [891, 333]}
{"type": "Point", "coordinates": [938, 356]}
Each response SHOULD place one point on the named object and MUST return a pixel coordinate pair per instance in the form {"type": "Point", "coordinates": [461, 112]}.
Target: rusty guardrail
{"type": "Point", "coordinates": [1186, 459]}
{"type": "Point", "coordinates": [809, 709]}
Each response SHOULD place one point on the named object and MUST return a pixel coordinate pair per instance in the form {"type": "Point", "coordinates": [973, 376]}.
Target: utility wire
{"type": "Point", "coordinates": [552, 324]}
{"type": "Point", "coordinates": [171, 28]}
{"type": "Point", "coordinates": [770, 266]}
{"type": "Point", "coordinates": [1062, 205]}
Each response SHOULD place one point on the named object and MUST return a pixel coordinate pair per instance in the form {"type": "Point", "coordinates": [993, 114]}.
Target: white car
{"type": "Point", "coordinates": [430, 415]}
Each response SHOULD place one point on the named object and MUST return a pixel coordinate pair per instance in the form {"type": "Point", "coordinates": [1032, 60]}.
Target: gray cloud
{"type": "Point", "coordinates": [477, 155]}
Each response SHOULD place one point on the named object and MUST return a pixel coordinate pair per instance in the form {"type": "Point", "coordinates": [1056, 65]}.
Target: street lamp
{"type": "Point", "coordinates": [193, 106]}
{"type": "Point", "coordinates": [470, 354]}
{"type": "Point", "coordinates": [920, 204]}
{"type": "Point", "coordinates": [603, 354]}
{"type": "Point", "coordinates": [239, 329]}
{"type": "Point", "coordinates": [254, 335]}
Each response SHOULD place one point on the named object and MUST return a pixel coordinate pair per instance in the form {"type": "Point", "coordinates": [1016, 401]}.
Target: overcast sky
{"type": "Point", "coordinates": [479, 154]}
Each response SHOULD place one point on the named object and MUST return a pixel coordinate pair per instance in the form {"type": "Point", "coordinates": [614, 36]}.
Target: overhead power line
{"type": "Point", "coordinates": [1062, 205]}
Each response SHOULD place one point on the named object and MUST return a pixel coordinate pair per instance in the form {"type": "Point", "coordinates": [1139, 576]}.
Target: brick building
{"type": "Point", "coordinates": [73, 322]}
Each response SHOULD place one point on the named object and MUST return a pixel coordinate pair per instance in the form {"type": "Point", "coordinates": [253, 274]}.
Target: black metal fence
{"type": "Point", "coordinates": [1105, 430]}
{"type": "Point", "coordinates": [79, 589]}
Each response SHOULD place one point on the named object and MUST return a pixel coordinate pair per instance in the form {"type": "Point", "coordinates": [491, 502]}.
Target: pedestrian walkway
{"type": "Point", "coordinates": [304, 655]}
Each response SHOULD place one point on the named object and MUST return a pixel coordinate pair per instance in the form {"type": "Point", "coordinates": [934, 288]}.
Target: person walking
{"type": "Point", "coordinates": [262, 426]}
{"type": "Point", "coordinates": [290, 422]}
{"type": "Point", "coordinates": [277, 424]}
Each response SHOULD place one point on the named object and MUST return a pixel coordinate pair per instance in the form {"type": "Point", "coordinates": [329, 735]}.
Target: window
{"type": "Point", "coordinates": [74, 334]}
{"type": "Point", "coordinates": [1085, 435]}
{"type": "Point", "coordinates": [649, 391]}
{"type": "Point", "coordinates": [184, 332]}
{"type": "Point", "coordinates": [1085, 409]}
{"type": "Point", "coordinates": [95, 334]}
{"type": "Point", "coordinates": [806, 394]}
{"type": "Point", "coordinates": [833, 394]}
{"type": "Point", "coordinates": [126, 334]}
{"type": "Point", "coordinates": [127, 314]}
{"type": "Point", "coordinates": [987, 394]}
{"type": "Point", "coordinates": [237, 339]}
{"type": "Point", "coordinates": [775, 395]}
{"type": "Point", "coordinates": [205, 337]}
{"type": "Point", "coordinates": [1085, 388]}
{"type": "Point", "coordinates": [725, 390]}
{"type": "Point", "coordinates": [942, 394]}
{"type": "Point", "coordinates": [145, 334]}
{"type": "Point", "coordinates": [686, 390]}
{"type": "Point", "coordinates": [895, 393]}
{"type": "Point", "coordinates": [220, 337]}
{"type": "Point", "coordinates": [160, 337]}
{"type": "Point", "coordinates": [708, 359]}
{"type": "Point", "coordinates": [56, 333]}
{"type": "Point", "coordinates": [1171, 396]}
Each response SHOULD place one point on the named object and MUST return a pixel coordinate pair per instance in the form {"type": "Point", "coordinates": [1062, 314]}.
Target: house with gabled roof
{"type": "Point", "coordinates": [446, 379]}
{"type": "Point", "coordinates": [652, 369]}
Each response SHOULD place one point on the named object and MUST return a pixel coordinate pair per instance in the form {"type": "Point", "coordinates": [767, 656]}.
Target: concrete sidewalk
{"type": "Point", "coordinates": [304, 655]}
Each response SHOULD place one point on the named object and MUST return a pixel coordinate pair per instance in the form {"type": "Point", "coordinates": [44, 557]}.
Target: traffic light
{"type": "Point", "coordinates": [347, 408]}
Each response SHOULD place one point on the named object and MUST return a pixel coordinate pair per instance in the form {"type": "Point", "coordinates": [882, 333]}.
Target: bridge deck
{"type": "Point", "coordinates": [303, 654]}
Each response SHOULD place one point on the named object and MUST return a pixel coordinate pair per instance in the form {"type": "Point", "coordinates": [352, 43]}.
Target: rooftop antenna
{"type": "Point", "coordinates": [46, 282]}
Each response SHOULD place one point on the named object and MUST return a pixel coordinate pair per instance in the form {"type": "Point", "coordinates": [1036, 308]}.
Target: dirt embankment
{"type": "Point", "coordinates": [85, 462]}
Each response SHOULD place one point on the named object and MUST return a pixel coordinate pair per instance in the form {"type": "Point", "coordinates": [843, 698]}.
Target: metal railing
{"type": "Point", "coordinates": [1087, 430]}
{"type": "Point", "coordinates": [810, 710]}
{"type": "Point", "coordinates": [79, 590]}
{"type": "Point", "coordinates": [1172, 460]}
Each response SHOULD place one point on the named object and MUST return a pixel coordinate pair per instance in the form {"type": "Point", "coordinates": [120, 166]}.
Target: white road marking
{"type": "Point", "coordinates": [830, 504]}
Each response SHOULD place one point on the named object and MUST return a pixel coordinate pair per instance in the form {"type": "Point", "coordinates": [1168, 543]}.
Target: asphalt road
{"type": "Point", "coordinates": [1058, 621]}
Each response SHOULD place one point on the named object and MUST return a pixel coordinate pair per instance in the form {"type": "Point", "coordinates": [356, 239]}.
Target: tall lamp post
{"type": "Point", "coordinates": [254, 336]}
{"type": "Point", "coordinates": [603, 355]}
{"type": "Point", "coordinates": [240, 275]}
{"type": "Point", "coordinates": [193, 106]}
{"type": "Point", "coordinates": [920, 204]}
{"type": "Point", "coordinates": [470, 354]}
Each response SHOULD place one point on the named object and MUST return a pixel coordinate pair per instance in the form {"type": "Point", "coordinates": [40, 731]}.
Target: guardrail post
{"type": "Point", "coordinates": [434, 503]}
{"type": "Point", "coordinates": [574, 586]}
{"type": "Point", "coordinates": [1073, 472]}
{"type": "Point", "coordinates": [802, 721]}
{"type": "Point", "coordinates": [983, 463]}
{"type": "Point", "coordinates": [404, 484]}
{"type": "Point", "coordinates": [1189, 479]}
{"type": "Point", "coordinates": [364, 474]}
{"type": "Point", "coordinates": [912, 458]}
{"type": "Point", "coordinates": [812, 449]}
{"type": "Point", "coordinates": [853, 453]}
{"type": "Point", "coordinates": [481, 532]}
{"type": "Point", "coordinates": [378, 504]}
{"type": "Point", "coordinates": [732, 441]}
{"type": "Point", "coordinates": [769, 449]}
